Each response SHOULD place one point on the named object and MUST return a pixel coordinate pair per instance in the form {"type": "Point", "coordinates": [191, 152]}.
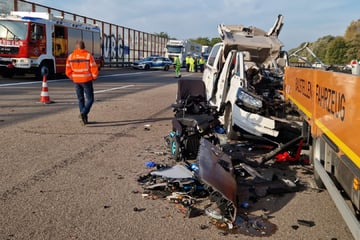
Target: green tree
{"type": "Point", "coordinates": [352, 30]}
{"type": "Point", "coordinates": [213, 41]}
{"type": "Point", "coordinates": [320, 46]}
{"type": "Point", "coordinates": [336, 51]}
{"type": "Point", "coordinates": [162, 35]}
{"type": "Point", "coordinates": [202, 41]}
{"type": "Point", "coordinates": [206, 41]}
{"type": "Point", "coordinates": [353, 48]}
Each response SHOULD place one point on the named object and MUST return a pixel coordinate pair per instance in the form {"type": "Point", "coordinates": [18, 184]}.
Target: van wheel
{"type": "Point", "coordinates": [147, 67]}
{"type": "Point", "coordinates": [230, 132]}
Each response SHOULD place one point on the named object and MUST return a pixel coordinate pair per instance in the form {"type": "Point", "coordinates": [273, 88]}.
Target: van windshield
{"type": "Point", "coordinates": [13, 30]}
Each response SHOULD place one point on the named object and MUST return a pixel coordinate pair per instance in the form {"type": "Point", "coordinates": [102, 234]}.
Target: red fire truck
{"type": "Point", "coordinates": [37, 42]}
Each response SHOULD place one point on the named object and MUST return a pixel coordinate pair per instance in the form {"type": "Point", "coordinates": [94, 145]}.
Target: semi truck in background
{"type": "Point", "coordinates": [38, 42]}
{"type": "Point", "coordinates": [182, 48]}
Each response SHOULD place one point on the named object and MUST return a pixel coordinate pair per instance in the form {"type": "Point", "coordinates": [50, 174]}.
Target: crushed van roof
{"type": "Point", "coordinates": [261, 45]}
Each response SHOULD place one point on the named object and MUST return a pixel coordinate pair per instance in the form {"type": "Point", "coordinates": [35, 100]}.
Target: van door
{"type": "Point", "coordinates": [212, 68]}
{"type": "Point", "coordinates": [224, 80]}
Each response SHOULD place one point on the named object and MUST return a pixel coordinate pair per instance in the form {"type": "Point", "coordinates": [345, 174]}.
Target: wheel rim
{"type": "Point", "coordinates": [173, 148]}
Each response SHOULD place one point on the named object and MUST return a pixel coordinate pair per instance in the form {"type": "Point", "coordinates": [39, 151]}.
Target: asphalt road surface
{"type": "Point", "coordinates": [62, 180]}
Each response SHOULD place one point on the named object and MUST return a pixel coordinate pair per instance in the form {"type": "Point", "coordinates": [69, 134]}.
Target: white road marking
{"type": "Point", "coordinates": [112, 89]}
{"type": "Point", "coordinates": [66, 79]}
{"type": "Point", "coordinates": [28, 83]}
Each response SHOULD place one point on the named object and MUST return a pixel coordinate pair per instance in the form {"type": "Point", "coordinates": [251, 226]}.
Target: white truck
{"type": "Point", "coordinates": [182, 48]}
{"type": "Point", "coordinates": [244, 79]}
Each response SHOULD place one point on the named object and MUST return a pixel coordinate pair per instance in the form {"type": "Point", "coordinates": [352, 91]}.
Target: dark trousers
{"type": "Point", "coordinates": [85, 95]}
{"type": "Point", "coordinates": [201, 67]}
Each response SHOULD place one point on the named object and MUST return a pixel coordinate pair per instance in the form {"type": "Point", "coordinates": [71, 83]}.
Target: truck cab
{"type": "Point", "coordinates": [244, 79]}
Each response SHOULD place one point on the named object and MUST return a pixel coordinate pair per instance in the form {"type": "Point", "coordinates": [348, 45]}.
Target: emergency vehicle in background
{"type": "Point", "coordinates": [182, 48]}
{"type": "Point", "coordinates": [37, 42]}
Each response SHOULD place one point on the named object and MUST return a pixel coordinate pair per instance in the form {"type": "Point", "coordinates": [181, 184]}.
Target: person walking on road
{"type": "Point", "coordinates": [177, 64]}
{"type": "Point", "coordinates": [81, 68]}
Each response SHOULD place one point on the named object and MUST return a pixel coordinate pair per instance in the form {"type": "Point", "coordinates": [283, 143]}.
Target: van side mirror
{"type": "Point", "coordinates": [281, 62]}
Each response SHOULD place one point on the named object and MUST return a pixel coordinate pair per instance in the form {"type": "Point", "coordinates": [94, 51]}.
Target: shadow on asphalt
{"type": "Point", "coordinates": [125, 122]}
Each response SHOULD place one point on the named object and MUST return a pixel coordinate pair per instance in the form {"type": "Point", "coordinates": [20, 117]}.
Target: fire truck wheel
{"type": "Point", "coordinates": [8, 74]}
{"type": "Point", "coordinates": [47, 68]}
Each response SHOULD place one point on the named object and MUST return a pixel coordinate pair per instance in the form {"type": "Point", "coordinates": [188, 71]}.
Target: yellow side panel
{"type": "Point", "coordinates": [331, 101]}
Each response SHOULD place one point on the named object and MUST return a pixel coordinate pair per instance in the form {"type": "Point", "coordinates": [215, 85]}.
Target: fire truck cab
{"type": "Point", "coordinates": [37, 42]}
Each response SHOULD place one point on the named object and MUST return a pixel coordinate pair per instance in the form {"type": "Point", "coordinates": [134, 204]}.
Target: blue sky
{"type": "Point", "coordinates": [304, 21]}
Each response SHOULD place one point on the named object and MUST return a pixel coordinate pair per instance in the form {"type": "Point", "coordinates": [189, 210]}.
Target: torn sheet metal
{"type": "Point", "coordinates": [177, 171]}
{"type": "Point", "coordinates": [216, 170]}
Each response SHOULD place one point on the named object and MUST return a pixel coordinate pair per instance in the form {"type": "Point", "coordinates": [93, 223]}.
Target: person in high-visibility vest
{"type": "Point", "coordinates": [81, 68]}
{"type": "Point", "coordinates": [192, 64]}
{"type": "Point", "coordinates": [187, 62]}
{"type": "Point", "coordinates": [202, 63]}
{"type": "Point", "coordinates": [177, 64]}
{"type": "Point", "coordinates": [196, 63]}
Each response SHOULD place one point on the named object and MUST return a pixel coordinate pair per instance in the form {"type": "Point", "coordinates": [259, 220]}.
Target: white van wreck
{"type": "Point", "coordinates": [244, 79]}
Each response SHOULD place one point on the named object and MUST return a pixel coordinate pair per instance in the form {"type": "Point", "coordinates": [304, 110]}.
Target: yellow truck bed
{"type": "Point", "coordinates": [331, 103]}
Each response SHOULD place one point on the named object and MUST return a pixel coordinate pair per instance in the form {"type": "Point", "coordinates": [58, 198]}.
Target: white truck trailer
{"type": "Point", "coordinates": [181, 48]}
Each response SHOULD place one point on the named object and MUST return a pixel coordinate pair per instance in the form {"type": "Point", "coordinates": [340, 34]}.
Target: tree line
{"type": "Point", "coordinates": [336, 50]}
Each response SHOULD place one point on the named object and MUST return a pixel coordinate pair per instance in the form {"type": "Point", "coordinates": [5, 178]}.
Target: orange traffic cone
{"type": "Point", "coordinates": [44, 96]}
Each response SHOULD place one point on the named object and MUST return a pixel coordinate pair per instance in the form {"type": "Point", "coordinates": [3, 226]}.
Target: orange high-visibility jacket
{"type": "Point", "coordinates": [81, 66]}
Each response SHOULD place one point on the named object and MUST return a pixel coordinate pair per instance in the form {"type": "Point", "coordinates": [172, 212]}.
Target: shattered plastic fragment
{"type": "Point", "coordinates": [295, 227]}
{"type": "Point", "coordinates": [150, 164]}
{"type": "Point", "coordinates": [138, 209]}
{"type": "Point", "coordinates": [145, 195]}
{"type": "Point", "coordinates": [306, 223]}
{"type": "Point", "coordinates": [177, 171]}
{"type": "Point", "coordinates": [202, 227]}
{"type": "Point", "coordinates": [244, 205]}
{"type": "Point", "coordinates": [193, 212]}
